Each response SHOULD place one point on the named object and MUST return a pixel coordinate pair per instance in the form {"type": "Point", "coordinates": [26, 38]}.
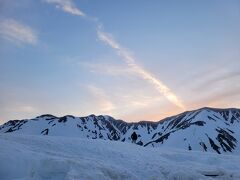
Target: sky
{"type": "Point", "coordinates": [133, 60]}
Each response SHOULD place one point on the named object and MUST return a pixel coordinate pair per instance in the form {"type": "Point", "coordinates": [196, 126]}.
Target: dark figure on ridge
{"type": "Point", "coordinates": [134, 137]}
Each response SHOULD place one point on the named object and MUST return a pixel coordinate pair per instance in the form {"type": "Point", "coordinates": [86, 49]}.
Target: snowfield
{"type": "Point", "coordinates": [25, 157]}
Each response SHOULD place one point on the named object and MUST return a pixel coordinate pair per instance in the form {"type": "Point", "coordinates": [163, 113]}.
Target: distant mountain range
{"type": "Point", "coordinates": [205, 129]}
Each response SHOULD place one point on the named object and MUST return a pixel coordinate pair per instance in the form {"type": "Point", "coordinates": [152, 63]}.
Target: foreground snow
{"type": "Point", "coordinates": [45, 157]}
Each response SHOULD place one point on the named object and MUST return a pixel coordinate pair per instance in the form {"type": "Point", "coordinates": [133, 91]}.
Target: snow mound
{"type": "Point", "coordinates": [67, 158]}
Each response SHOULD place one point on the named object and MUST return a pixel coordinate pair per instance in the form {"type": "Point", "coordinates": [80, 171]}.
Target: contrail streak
{"type": "Point", "coordinates": [69, 7]}
{"type": "Point", "coordinates": [131, 62]}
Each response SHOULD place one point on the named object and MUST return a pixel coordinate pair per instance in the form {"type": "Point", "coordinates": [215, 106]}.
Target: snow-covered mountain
{"type": "Point", "coordinates": [206, 129]}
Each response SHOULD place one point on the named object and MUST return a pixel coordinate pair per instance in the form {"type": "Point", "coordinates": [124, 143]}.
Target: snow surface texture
{"type": "Point", "coordinates": [31, 157]}
{"type": "Point", "coordinates": [206, 129]}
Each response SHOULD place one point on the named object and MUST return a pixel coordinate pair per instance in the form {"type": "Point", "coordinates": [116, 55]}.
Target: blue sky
{"type": "Point", "coordinates": [134, 60]}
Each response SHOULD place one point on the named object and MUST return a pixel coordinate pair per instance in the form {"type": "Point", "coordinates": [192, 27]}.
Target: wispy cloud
{"type": "Point", "coordinates": [126, 56]}
{"type": "Point", "coordinates": [103, 102]}
{"type": "Point", "coordinates": [21, 108]}
{"type": "Point", "coordinates": [226, 98]}
{"type": "Point", "coordinates": [26, 108]}
{"type": "Point", "coordinates": [17, 32]}
{"type": "Point", "coordinates": [67, 6]}
{"type": "Point", "coordinates": [131, 62]}
{"type": "Point", "coordinates": [108, 69]}
{"type": "Point", "coordinates": [217, 77]}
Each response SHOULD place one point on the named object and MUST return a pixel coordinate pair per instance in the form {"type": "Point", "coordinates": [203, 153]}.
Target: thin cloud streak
{"type": "Point", "coordinates": [216, 99]}
{"type": "Point", "coordinates": [112, 70]}
{"type": "Point", "coordinates": [67, 6]}
{"type": "Point", "coordinates": [17, 32]}
{"type": "Point", "coordinates": [22, 109]}
{"type": "Point", "coordinates": [131, 62]}
{"type": "Point", "coordinates": [127, 57]}
{"type": "Point", "coordinates": [217, 78]}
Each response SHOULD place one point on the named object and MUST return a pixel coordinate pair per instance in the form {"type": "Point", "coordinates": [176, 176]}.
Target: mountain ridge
{"type": "Point", "coordinates": [204, 129]}
{"type": "Point", "coordinates": [140, 121]}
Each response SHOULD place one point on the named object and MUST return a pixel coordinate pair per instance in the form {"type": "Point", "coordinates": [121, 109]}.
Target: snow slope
{"type": "Point", "coordinates": [30, 157]}
{"type": "Point", "coordinates": [206, 129]}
